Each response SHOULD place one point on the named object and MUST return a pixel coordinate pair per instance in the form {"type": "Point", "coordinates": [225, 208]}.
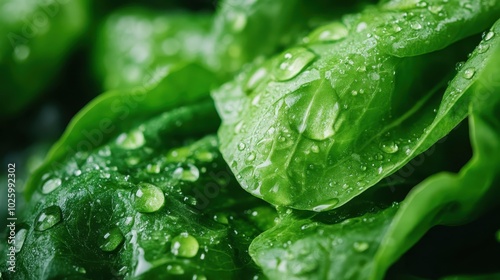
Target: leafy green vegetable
{"type": "Point", "coordinates": [35, 37]}
{"type": "Point", "coordinates": [333, 115]}
{"type": "Point", "coordinates": [136, 41]}
{"type": "Point", "coordinates": [364, 246]}
{"type": "Point", "coordinates": [146, 204]}
{"type": "Point", "coordinates": [106, 115]}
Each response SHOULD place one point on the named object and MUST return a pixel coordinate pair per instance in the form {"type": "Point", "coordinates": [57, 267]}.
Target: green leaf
{"type": "Point", "coordinates": [114, 111]}
{"type": "Point", "coordinates": [134, 42]}
{"type": "Point", "coordinates": [155, 202]}
{"type": "Point", "coordinates": [311, 248]}
{"type": "Point", "coordinates": [35, 38]}
{"type": "Point", "coordinates": [456, 198]}
{"type": "Point", "coordinates": [320, 123]}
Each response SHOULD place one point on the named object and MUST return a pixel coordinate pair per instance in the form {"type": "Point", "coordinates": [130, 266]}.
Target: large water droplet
{"type": "Point", "coordinates": [313, 110]}
{"type": "Point", "coordinates": [255, 79]}
{"type": "Point", "coordinates": [185, 245]}
{"type": "Point", "coordinates": [148, 198]}
{"type": "Point", "coordinates": [132, 140]}
{"type": "Point", "coordinates": [111, 240]}
{"type": "Point", "coordinates": [482, 48]}
{"type": "Point", "coordinates": [435, 9]}
{"type": "Point", "coordinates": [389, 147]}
{"type": "Point", "coordinates": [329, 33]}
{"type": "Point", "coordinates": [489, 35]}
{"type": "Point", "coordinates": [291, 63]}
{"type": "Point", "coordinates": [48, 218]}
{"type": "Point", "coordinates": [326, 205]}
{"type": "Point", "coordinates": [469, 73]}
{"type": "Point", "coordinates": [50, 185]}
{"type": "Point", "coordinates": [360, 246]}
{"type": "Point", "coordinates": [188, 173]}
{"type": "Point", "coordinates": [19, 239]}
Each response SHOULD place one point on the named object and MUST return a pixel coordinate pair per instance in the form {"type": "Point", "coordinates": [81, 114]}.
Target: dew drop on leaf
{"type": "Point", "coordinates": [189, 173]}
{"type": "Point", "coordinates": [184, 245]}
{"type": "Point", "coordinates": [48, 218]}
{"type": "Point", "coordinates": [326, 205]}
{"type": "Point", "coordinates": [292, 62]}
{"type": "Point", "coordinates": [329, 33]}
{"type": "Point", "coordinates": [313, 110]}
{"type": "Point", "coordinates": [50, 185]}
{"type": "Point", "coordinates": [360, 246]}
{"type": "Point", "coordinates": [111, 240]}
{"type": "Point", "coordinates": [19, 239]}
{"type": "Point", "coordinates": [488, 35]}
{"type": "Point", "coordinates": [148, 198]}
{"type": "Point", "coordinates": [389, 147]}
{"type": "Point", "coordinates": [132, 140]}
{"type": "Point", "coordinates": [469, 73]}
{"type": "Point", "coordinates": [482, 48]}
{"type": "Point", "coordinates": [255, 79]}
{"type": "Point", "coordinates": [241, 146]}
{"type": "Point", "coordinates": [416, 25]}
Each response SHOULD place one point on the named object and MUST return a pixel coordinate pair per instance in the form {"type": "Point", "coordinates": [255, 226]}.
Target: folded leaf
{"type": "Point", "coordinates": [152, 203]}
{"type": "Point", "coordinates": [320, 123]}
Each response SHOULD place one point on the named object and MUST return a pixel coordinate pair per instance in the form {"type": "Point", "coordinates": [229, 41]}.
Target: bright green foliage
{"type": "Point", "coordinates": [134, 43]}
{"type": "Point", "coordinates": [35, 37]}
{"type": "Point", "coordinates": [364, 246]}
{"type": "Point", "coordinates": [140, 206]}
{"type": "Point", "coordinates": [320, 123]}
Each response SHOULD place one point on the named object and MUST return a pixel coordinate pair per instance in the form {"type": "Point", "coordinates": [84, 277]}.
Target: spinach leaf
{"type": "Point", "coordinates": [114, 111]}
{"type": "Point", "coordinates": [35, 37]}
{"type": "Point", "coordinates": [152, 203]}
{"type": "Point", "coordinates": [363, 245]}
{"type": "Point", "coordinates": [457, 198]}
{"type": "Point", "coordinates": [320, 123]}
{"type": "Point", "coordinates": [134, 42]}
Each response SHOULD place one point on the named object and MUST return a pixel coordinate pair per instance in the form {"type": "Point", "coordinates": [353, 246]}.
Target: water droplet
{"type": "Point", "coordinates": [314, 110]}
{"type": "Point", "coordinates": [360, 246]}
{"type": "Point", "coordinates": [241, 146]}
{"type": "Point", "coordinates": [111, 240]}
{"type": "Point", "coordinates": [416, 25]}
{"type": "Point", "coordinates": [175, 269]}
{"type": "Point", "coordinates": [221, 218]}
{"type": "Point", "coordinates": [482, 48]}
{"type": "Point", "coordinates": [251, 156]}
{"type": "Point", "coordinates": [148, 198]}
{"type": "Point", "coordinates": [188, 173]}
{"type": "Point", "coordinates": [329, 33]}
{"type": "Point", "coordinates": [80, 269]}
{"type": "Point", "coordinates": [389, 148]}
{"type": "Point", "coordinates": [435, 9]}
{"type": "Point", "coordinates": [326, 205]}
{"type": "Point", "coordinates": [489, 35]}
{"type": "Point", "coordinates": [50, 185]}
{"type": "Point", "coordinates": [132, 140]}
{"type": "Point", "coordinates": [19, 239]}
{"type": "Point", "coordinates": [422, 4]}
{"type": "Point", "coordinates": [184, 245]}
{"type": "Point", "coordinates": [459, 66]}
{"type": "Point", "coordinates": [292, 62]}
{"type": "Point", "coordinates": [375, 76]}
{"type": "Point", "coordinates": [48, 218]}
{"type": "Point", "coordinates": [363, 167]}
{"type": "Point", "coordinates": [199, 277]}
{"type": "Point", "coordinates": [315, 149]}
{"type": "Point", "coordinates": [469, 73]}
{"type": "Point", "coordinates": [255, 79]}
